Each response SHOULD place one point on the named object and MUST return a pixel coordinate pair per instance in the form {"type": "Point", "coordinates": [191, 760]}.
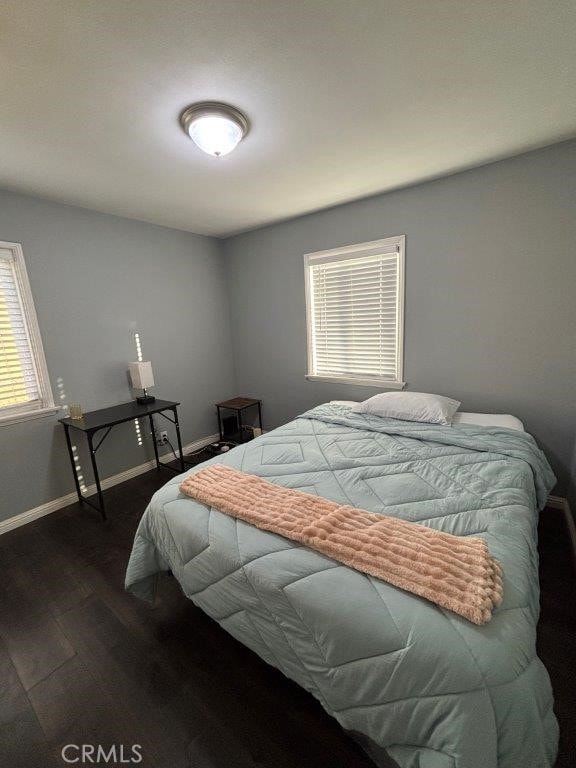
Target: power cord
{"type": "Point", "coordinates": [229, 443]}
{"type": "Point", "coordinates": [187, 463]}
{"type": "Point", "coordinates": [172, 449]}
{"type": "Point", "coordinates": [155, 438]}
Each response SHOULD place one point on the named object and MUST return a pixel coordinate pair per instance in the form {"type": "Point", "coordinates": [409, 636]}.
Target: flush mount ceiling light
{"type": "Point", "coordinates": [215, 128]}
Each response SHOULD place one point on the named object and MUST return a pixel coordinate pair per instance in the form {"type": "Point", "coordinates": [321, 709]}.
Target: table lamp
{"type": "Point", "coordinates": [142, 377]}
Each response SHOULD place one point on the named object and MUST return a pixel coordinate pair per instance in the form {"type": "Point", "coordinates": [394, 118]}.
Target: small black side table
{"type": "Point", "coordinates": [238, 404]}
{"type": "Point", "coordinates": [107, 418]}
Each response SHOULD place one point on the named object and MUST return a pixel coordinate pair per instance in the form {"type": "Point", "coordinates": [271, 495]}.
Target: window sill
{"type": "Point", "coordinates": [39, 413]}
{"type": "Point", "coordinates": [358, 381]}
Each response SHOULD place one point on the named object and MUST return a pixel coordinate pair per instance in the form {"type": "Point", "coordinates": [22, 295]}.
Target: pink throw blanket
{"type": "Point", "coordinates": [455, 572]}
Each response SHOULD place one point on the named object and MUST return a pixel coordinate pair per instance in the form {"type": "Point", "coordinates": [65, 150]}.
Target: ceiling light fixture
{"type": "Point", "coordinates": [214, 127]}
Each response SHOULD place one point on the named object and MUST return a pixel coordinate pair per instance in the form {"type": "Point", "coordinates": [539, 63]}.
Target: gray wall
{"type": "Point", "coordinates": [93, 278]}
{"type": "Point", "coordinates": [490, 295]}
{"type": "Point", "coordinates": [490, 311]}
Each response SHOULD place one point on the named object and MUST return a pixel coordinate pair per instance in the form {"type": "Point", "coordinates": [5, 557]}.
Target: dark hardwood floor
{"type": "Point", "coordinates": [82, 662]}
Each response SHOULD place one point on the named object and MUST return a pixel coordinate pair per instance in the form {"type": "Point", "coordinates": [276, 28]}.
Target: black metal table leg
{"type": "Point", "coordinates": [73, 463]}
{"type": "Point", "coordinates": [154, 442]}
{"type": "Point", "coordinates": [89, 435]}
{"type": "Point", "coordinates": [260, 417]}
{"type": "Point", "coordinates": [219, 423]}
{"type": "Point", "coordinates": [178, 438]}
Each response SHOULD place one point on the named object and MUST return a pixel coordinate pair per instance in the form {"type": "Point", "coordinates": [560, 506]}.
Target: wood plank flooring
{"type": "Point", "coordinates": [82, 662]}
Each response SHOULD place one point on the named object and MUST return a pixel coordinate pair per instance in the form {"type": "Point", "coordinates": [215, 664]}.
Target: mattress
{"type": "Point", "coordinates": [505, 420]}
{"type": "Point", "coordinates": [414, 683]}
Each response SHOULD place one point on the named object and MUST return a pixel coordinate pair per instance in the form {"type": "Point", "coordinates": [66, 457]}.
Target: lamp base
{"type": "Point", "coordinates": [146, 400]}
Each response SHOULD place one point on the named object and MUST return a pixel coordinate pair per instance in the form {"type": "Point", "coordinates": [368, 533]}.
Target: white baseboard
{"type": "Point", "coordinates": [108, 482]}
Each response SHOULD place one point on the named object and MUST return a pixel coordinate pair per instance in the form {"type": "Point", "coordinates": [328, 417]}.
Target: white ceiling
{"type": "Point", "coordinates": [346, 98]}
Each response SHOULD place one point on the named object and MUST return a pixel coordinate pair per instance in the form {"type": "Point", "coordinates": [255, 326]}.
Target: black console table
{"type": "Point", "coordinates": [107, 418]}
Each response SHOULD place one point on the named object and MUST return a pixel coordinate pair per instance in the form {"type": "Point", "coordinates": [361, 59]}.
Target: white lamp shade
{"type": "Point", "coordinates": [141, 375]}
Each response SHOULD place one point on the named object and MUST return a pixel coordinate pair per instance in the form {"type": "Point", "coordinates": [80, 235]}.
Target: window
{"type": "Point", "coordinates": [355, 313]}
{"type": "Point", "coordinates": [24, 386]}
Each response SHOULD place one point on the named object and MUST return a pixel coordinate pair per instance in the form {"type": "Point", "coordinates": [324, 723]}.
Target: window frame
{"type": "Point", "coordinates": [385, 245]}
{"type": "Point", "coordinates": [44, 406]}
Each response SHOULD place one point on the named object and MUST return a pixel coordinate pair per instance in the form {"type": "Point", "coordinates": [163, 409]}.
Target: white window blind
{"type": "Point", "coordinates": [24, 384]}
{"type": "Point", "coordinates": [355, 313]}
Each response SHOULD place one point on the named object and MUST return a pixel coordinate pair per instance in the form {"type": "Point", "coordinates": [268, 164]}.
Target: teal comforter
{"type": "Point", "coordinates": [412, 681]}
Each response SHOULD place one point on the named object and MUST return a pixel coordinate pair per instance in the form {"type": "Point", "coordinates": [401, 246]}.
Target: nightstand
{"type": "Point", "coordinates": [237, 405]}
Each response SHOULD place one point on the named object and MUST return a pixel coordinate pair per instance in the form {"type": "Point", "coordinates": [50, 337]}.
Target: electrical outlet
{"type": "Point", "coordinates": [162, 438]}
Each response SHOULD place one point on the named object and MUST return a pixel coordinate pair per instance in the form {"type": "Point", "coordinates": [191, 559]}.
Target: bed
{"type": "Point", "coordinates": [417, 686]}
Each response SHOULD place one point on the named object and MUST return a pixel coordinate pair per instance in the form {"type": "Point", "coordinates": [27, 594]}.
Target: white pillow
{"type": "Point", "coordinates": [410, 406]}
